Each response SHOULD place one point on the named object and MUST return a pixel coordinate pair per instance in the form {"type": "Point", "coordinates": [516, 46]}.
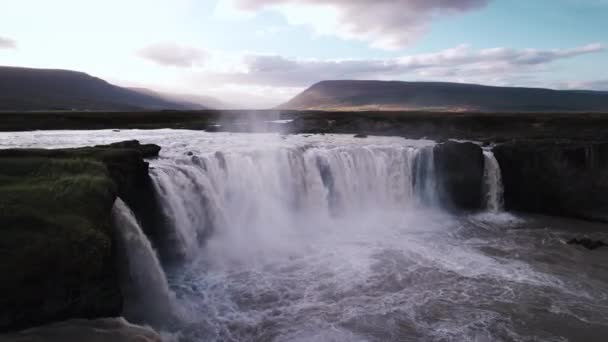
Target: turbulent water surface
{"type": "Point", "coordinates": [332, 238]}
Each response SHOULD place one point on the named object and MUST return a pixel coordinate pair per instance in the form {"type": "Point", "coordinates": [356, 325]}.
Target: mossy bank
{"type": "Point", "coordinates": [57, 254]}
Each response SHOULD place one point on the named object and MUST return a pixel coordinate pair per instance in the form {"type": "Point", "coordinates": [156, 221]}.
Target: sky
{"type": "Point", "coordinates": [260, 53]}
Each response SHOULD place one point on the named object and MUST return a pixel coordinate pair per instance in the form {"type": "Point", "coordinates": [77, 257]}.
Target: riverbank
{"type": "Point", "coordinates": [489, 127]}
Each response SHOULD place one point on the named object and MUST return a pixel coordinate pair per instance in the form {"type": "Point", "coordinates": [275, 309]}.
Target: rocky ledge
{"type": "Point", "coordinates": [57, 252]}
{"type": "Point", "coordinates": [79, 330]}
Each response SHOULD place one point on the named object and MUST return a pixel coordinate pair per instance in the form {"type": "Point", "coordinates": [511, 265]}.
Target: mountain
{"type": "Point", "coordinates": [394, 95]}
{"type": "Point", "coordinates": [188, 100]}
{"type": "Point", "coordinates": [44, 89]}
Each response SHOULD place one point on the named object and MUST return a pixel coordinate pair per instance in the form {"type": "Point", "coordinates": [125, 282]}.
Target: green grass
{"type": "Point", "coordinates": [56, 243]}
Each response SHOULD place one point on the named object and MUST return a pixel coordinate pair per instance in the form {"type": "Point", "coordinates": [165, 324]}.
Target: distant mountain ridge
{"type": "Point", "coordinates": [54, 89]}
{"type": "Point", "coordinates": [441, 96]}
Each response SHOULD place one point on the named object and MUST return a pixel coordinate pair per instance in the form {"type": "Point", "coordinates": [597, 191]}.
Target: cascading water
{"type": "Point", "coordinates": [331, 238]}
{"type": "Point", "coordinates": [145, 287]}
{"type": "Point", "coordinates": [225, 192]}
{"type": "Point", "coordinates": [425, 182]}
{"type": "Point", "coordinates": [492, 178]}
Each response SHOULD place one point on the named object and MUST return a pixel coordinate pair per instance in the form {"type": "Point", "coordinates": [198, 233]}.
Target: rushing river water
{"type": "Point", "coordinates": [332, 238]}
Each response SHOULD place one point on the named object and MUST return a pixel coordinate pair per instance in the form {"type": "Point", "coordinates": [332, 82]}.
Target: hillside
{"type": "Point", "coordinates": [44, 89]}
{"type": "Point", "coordinates": [437, 96]}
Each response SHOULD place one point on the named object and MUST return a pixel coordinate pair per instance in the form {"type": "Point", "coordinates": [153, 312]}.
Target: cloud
{"type": "Point", "coordinates": [172, 54]}
{"type": "Point", "coordinates": [7, 43]}
{"type": "Point", "coordinates": [456, 64]}
{"type": "Point", "coordinates": [387, 24]}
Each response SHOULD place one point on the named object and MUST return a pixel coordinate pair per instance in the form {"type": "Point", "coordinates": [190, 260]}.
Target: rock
{"type": "Point", "coordinates": [58, 260]}
{"type": "Point", "coordinates": [361, 136]}
{"type": "Point", "coordinates": [556, 178]}
{"type": "Point", "coordinates": [189, 153]}
{"type": "Point", "coordinates": [459, 168]}
{"type": "Point", "coordinates": [221, 160]}
{"type": "Point", "coordinates": [146, 150]}
{"type": "Point", "coordinates": [78, 330]}
{"type": "Point", "coordinates": [588, 243]}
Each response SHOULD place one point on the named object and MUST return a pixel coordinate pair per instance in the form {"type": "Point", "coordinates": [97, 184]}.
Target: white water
{"type": "Point", "coordinates": [493, 188]}
{"type": "Point", "coordinates": [253, 197]}
{"type": "Point", "coordinates": [330, 238]}
{"type": "Point", "coordinates": [144, 284]}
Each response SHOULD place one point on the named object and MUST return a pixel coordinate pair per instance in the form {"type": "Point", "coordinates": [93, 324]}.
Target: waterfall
{"type": "Point", "coordinates": [145, 289]}
{"type": "Point", "coordinates": [228, 192]}
{"type": "Point", "coordinates": [425, 178]}
{"type": "Point", "coordinates": [493, 188]}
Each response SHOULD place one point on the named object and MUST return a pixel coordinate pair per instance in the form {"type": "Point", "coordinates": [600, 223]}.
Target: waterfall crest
{"type": "Point", "coordinates": [225, 192]}
{"type": "Point", "coordinates": [145, 289]}
{"type": "Point", "coordinates": [493, 188]}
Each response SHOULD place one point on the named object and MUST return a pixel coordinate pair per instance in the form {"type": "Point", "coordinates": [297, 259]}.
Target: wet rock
{"type": "Point", "coordinates": [559, 178]}
{"type": "Point", "coordinates": [189, 153]}
{"type": "Point", "coordinates": [588, 243]}
{"type": "Point", "coordinates": [221, 160]}
{"type": "Point", "coordinates": [146, 150]}
{"type": "Point", "coordinates": [459, 168]}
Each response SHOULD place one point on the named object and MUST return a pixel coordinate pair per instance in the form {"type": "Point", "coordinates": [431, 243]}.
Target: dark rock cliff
{"type": "Point", "coordinates": [556, 178]}
{"type": "Point", "coordinates": [459, 168]}
{"type": "Point", "coordinates": [57, 257]}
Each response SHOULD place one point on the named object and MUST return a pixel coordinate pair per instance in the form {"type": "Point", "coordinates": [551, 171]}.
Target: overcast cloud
{"type": "Point", "coordinates": [388, 24]}
{"type": "Point", "coordinates": [450, 64]}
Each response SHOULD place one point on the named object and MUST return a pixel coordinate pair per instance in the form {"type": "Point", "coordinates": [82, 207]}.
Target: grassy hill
{"type": "Point", "coordinates": [438, 96]}
{"type": "Point", "coordinates": [44, 89]}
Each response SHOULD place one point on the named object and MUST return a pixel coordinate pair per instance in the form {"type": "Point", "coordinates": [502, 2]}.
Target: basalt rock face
{"type": "Point", "coordinates": [556, 178]}
{"type": "Point", "coordinates": [459, 168]}
{"type": "Point", "coordinates": [56, 245]}
{"type": "Point", "coordinates": [135, 187]}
